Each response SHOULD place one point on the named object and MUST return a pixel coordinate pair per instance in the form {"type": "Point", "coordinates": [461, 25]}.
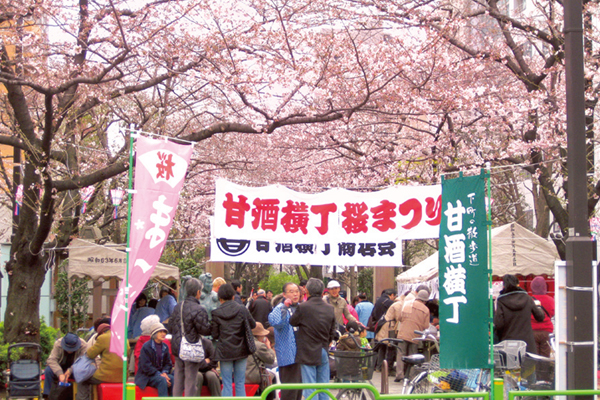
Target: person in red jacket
{"type": "Point", "coordinates": [542, 330]}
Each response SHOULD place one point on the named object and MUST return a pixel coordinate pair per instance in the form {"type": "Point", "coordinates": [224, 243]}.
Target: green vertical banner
{"type": "Point", "coordinates": [463, 275]}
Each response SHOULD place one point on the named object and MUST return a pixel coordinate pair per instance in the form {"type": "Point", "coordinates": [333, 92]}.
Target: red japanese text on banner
{"type": "Point", "coordinates": [274, 224]}
{"type": "Point", "coordinates": [159, 175]}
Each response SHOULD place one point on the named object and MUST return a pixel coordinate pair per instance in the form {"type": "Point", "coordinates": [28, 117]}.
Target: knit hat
{"type": "Point", "coordinates": [70, 342]}
{"type": "Point", "coordinates": [103, 328]}
{"type": "Point", "coordinates": [157, 327]}
{"type": "Point", "coordinates": [423, 295]}
{"type": "Point", "coordinates": [147, 323]}
{"type": "Point", "coordinates": [538, 285]}
{"type": "Point", "coordinates": [423, 287]}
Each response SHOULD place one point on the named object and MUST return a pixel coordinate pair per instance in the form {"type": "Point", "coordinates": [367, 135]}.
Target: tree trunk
{"type": "Point", "coordinates": [542, 213]}
{"type": "Point", "coordinates": [316, 271]}
{"type": "Point", "coordinates": [22, 316]}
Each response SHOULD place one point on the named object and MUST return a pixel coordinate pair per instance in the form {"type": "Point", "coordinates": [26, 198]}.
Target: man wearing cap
{"type": "Point", "coordinates": [285, 340]}
{"type": "Point", "coordinates": [64, 353]}
{"type": "Point", "coordinates": [155, 363]}
{"type": "Point", "coordinates": [415, 318]}
{"type": "Point", "coordinates": [340, 306]}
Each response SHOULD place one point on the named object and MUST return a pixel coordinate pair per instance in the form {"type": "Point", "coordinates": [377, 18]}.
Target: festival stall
{"type": "Point", "coordinates": [104, 262]}
{"type": "Point", "coordinates": [88, 259]}
{"type": "Point", "coordinates": [515, 250]}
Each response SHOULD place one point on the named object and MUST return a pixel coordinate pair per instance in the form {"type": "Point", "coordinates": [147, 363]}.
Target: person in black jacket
{"type": "Point", "coordinates": [514, 308]}
{"type": "Point", "coordinates": [195, 324]}
{"type": "Point", "coordinates": [316, 324]}
{"type": "Point", "coordinates": [261, 308]}
{"type": "Point", "coordinates": [207, 373]}
{"type": "Point", "coordinates": [381, 306]}
{"type": "Point", "coordinates": [229, 330]}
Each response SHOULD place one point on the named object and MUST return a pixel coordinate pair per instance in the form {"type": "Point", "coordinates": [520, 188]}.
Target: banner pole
{"type": "Point", "coordinates": [129, 196]}
{"type": "Point", "coordinates": [490, 275]}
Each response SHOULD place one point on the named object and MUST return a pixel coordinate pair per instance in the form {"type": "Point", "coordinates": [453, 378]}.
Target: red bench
{"type": "Point", "coordinates": [111, 391]}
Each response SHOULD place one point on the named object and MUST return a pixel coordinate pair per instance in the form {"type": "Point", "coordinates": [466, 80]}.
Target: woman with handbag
{"type": "Point", "coordinates": [110, 368]}
{"type": "Point", "coordinates": [232, 327]}
{"type": "Point", "coordinates": [188, 322]}
{"type": "Point", "coordinates": [256, 371]}
{"type": "Point", "coordinates": [155, 363]}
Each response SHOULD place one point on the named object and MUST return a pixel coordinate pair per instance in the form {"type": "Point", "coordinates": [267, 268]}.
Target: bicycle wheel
{"type": "Point", "coordinates": [355, 394]}
{"type": "Point", "coordinates": [421, 387]}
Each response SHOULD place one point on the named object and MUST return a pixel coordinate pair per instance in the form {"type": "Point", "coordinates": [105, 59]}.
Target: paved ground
{"type": "Point", "coordinates": [393, 386]}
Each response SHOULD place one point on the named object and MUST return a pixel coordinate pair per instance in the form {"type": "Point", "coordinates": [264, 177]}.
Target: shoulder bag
{"type": "Point", "coordinates": [249, 336]}
{"type": "Point", "coordinates": [83, 368]}
{"type": "Point", "coordinates": [192, 352]}
{"type": "Point", "coordinates": [266, 379]}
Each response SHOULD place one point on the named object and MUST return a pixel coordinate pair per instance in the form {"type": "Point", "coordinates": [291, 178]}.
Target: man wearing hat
{"type": "Point", "coordinates": [155, 363]}
{"type": "Point", "coordinates": [415, 318]}
{"type": "Point", "coordinates": [64, 353]}
{"type": "Point", "coordinates": [264, 354]}
{"type": "Point", "coordinates": [340, 306]}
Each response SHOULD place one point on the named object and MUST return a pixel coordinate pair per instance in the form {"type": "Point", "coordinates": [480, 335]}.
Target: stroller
{"type": "Point", "coordinates": [24, 376]}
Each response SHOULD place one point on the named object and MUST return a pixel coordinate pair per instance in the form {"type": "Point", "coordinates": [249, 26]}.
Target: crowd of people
{"type": "Point", "coordinates": [241, 338]}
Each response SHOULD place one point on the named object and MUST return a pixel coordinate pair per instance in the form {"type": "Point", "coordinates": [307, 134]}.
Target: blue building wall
{"type": "Point", "coordinates": [46, 299]}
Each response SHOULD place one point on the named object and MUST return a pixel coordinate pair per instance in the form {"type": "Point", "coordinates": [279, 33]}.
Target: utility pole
{"type": "Point", "coordinates": [580, 340]}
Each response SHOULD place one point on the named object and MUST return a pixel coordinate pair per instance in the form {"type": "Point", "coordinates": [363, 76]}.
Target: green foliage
{"type": "Point", "coordinates": [190, 264]}
{"type": "Point", "coordinates": [365, 281]}
{"type": "Point", "coordinates": [48, 336]}
{"type": "Point", "coordinates": [79, 299]}
{"type": "Point", "coordinates": [275, 281]}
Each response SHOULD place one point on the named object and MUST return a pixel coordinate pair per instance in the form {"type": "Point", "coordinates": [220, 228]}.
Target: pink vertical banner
{"type": "Point", "coordinates": [160, 170]}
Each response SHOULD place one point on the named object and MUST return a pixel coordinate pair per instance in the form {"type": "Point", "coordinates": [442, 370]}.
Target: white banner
{"type": "Point", "coordinates": [276, 225]}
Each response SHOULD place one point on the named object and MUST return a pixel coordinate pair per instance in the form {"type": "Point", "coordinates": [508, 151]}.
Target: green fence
{"type": "Point", "coordinates": [534, 393]}
{"type": "Point", "coordinates": [326, 387]}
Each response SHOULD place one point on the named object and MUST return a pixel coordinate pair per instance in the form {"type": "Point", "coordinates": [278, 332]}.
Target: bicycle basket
{"type": "Point", "coordinates": [537, 369]}
{"type": "Point", "coordinates": [509, 354]}
{"type": "Point", "coordinates": [452, 379]}
{"type": "Point", "coordinates": [354, 365]}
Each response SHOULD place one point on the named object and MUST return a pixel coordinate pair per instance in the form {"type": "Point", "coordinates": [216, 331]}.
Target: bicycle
{"type": "Point", "coordinates": [454, 380]}
{"type": "Point", "coordinates": [508, 356]}
{"type": "Point", "coordinates": [355, 366]}
{"type": "Point", "coordinates": [416, 383]}
{"type": "Point", "coordinates": [537, 373]}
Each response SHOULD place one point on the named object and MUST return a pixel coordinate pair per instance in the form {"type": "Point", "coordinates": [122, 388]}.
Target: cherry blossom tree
{"type": "Point", "coordinates": [248, 81]}
{"type": "Point", "coordinates": [497, 92]}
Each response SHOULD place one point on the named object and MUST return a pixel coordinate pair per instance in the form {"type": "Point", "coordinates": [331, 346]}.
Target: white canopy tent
{"type": "Point", "coordinates": [88, 259]}
{"type": "Point", "coordinates": [515, 250]}
{"type": "Point", "coordinates": [101, 262]}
